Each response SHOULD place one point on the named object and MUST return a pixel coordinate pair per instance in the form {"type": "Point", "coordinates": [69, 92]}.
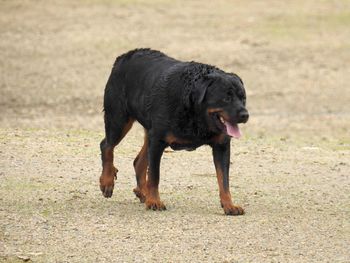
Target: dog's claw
{"type": "Point", "coordinates": [107, 191]}
{"type": "Point", "coordinates": [233, 210]}
{"type": "Point", "coordinates": [139, 195]}
{"type": "Point", "coordinates": [155, 205]}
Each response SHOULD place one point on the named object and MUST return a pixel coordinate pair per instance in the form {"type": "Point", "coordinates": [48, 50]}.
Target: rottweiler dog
{"type": "Point", "coordinates": [180, 104]}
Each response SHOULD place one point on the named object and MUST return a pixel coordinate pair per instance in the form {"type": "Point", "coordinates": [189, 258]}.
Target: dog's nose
{"type": "Point", "coordinates": [243, 116]}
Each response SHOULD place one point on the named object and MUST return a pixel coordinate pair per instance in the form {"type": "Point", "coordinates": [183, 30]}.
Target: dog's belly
{"type": "Point", "coordinates": [187, 147]}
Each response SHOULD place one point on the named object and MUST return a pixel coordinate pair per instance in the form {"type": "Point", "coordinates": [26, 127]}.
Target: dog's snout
{"type": "Point", "coordinates": [243, 116]}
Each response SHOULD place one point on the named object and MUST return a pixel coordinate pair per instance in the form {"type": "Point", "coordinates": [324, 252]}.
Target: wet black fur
{"type": "Point", "coordinates": [165, 96]}
{"type": "Point", "coordinates": [160, 93]}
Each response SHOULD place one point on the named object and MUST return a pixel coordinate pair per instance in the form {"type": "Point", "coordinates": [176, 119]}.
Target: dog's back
{"type": "Point", "coordinates": [135, 78]}
{"type": "Point", "coordinates": [142, 66]}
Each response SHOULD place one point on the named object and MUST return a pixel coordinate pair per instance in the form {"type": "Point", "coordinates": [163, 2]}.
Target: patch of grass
{"type": "Point", "coordinates": [11, 259]}
{"type": "Point", "coordinates": [341, 19]}
{"type": "Point", "coordinates": [128, 2]}
{"type": "Point", "coordinates": [45, 212]}
{"type": "Point", "coordinates": [339, 145]}
{"type": "Point", "coordinates": [77, 135]}
{"type": "Point", "coordinates": [21, 186]}
{"type": "Point", "coordinates": [301, 26]}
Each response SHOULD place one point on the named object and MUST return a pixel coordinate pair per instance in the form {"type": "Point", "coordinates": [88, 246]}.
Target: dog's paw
{"type": "Point", "coordinates": [107, 185]}
{"type": "Point", "coordinates": [140, 194]}
{"type": "Point", "coordinates": [233, 210]}
{"type": "Point", "coordinates": [155, 205]}
{"type": "Point", "coordinates": [107, 191]}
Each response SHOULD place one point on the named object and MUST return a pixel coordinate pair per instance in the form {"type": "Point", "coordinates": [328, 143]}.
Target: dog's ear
{"type": "Point", "coordinates": [200, 89]}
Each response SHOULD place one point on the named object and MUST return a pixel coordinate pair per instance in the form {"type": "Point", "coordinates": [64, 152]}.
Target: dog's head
{"type": "Point", "coordinates": [222, 98]}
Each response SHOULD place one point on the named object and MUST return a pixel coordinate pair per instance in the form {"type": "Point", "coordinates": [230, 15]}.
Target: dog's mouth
{"type": "Point", "coordinates": [231, 129]}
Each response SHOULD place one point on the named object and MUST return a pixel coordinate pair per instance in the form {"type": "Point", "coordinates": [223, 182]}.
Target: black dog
{"type": "Point", "coordinates": [180, 104]}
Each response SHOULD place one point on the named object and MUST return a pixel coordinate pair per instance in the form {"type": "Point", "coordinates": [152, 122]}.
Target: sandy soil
{"type": "Point", "coordinates": [291, 171]}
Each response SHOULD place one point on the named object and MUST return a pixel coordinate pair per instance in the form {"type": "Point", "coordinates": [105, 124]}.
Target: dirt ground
{"type": "Point", "coordinates": [290, 171]}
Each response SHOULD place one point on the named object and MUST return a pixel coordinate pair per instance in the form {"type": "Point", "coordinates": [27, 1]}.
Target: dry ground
{"type": "Point", "coordinates": [291, 171]}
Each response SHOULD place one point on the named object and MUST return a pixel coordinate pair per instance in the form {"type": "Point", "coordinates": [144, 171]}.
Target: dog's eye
{"type": "Point", "coordinates": [240, 95]}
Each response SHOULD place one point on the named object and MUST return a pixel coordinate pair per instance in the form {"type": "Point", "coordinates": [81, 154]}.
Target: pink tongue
{"type": "Point", "coordinates": [233, 130]}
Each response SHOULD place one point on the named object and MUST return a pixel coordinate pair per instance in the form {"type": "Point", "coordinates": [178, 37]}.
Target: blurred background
{"type": "Point", "coordinates": [293, 56]}
{"type": "Point", "coordinates": [290, 171]}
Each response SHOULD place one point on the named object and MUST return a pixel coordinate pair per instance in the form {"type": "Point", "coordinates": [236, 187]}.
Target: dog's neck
{"type": "Point", "coordinates": [192, 125]}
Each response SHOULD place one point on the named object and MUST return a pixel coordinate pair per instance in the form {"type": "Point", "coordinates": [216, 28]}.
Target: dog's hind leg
{"type": "Point", "coordinates": [117, 125]}
{"type": "Point", "coordinates": [140, 166]}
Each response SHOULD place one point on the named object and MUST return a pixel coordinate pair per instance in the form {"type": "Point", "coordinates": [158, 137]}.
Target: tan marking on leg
{"type": "Point", "coordinates": [225, 195]}
{"type": "Point", "coordinates": [140, 165]}
{"type": "Point", "coordinates": [109, 172]}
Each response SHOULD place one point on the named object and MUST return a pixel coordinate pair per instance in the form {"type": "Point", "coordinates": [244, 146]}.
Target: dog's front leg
{"type": "Point", "coordinates": [221, 154]}
{"type": "Point", "coordinates": [155, 152]}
